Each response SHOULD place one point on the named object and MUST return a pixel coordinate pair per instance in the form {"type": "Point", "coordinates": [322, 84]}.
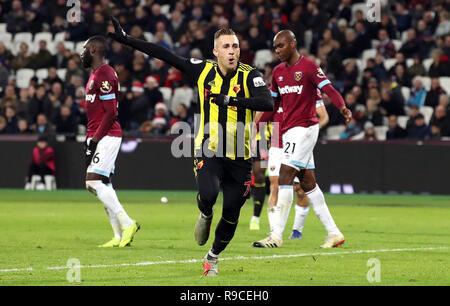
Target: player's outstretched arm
{"type": "Point", "coordinates": [148, 48]}
{"type": "Point", "coordinates": [260, 97]}
{"type": "Point", "coordinates": [338, 101]}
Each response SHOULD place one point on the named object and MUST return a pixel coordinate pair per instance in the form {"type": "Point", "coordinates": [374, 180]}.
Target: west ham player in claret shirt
{"type": "Point", "coordinates": [295, 82]}
{"type": "Point", "coordinates": [104, 136]}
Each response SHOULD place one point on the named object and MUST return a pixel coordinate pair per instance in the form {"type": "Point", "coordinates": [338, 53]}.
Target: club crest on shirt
{"type": "Point", "coordinates": [237, 88]}
{"type": "Point", "coordinates": [91, 85]}
{"type": "Point", "coordinates": [298, 75]}
{"type": "Point", "coordinates": [106, 87]}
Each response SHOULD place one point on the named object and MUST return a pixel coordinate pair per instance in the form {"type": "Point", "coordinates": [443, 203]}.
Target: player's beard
{"type": "Point", "coordinates": [87, 60]}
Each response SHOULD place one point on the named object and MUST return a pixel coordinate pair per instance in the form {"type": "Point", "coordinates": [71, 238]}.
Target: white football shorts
{"type": "Point", "coordinates": [274, 162]}
{"type": "Point", "coordinates": [298, 147]}
{"type": "Point", "coordinates": [104, 159]}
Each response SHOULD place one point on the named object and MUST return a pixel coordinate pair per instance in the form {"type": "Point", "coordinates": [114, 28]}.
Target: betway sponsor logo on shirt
{"type": "Point", "coordinates": [290, 89]}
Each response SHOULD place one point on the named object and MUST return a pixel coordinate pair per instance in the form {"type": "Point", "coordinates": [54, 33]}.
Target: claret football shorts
{"type": "Point", "coordinates": [104, 159]}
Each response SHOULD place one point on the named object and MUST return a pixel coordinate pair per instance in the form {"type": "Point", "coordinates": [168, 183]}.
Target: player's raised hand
{"type": "Point", "coordinates": [119, 34]}
{"type": "Point", "coordinates": [347, 114]}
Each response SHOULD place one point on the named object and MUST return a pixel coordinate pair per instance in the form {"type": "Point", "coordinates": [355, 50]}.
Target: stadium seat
{"type": "Point", "coordinates": [406, 92]}
{"type": "Point", "coordinates": [389, 63]}
{"type": "Point", "coordinates": [148, 36]}
{"type": "Point", "coordinates": [165, 10]}
{"type": "Point", "coordinates": [374, 43]}
{"type": "Point", "coordinates": [61, 36]}
{"type": "Point", "coordinates": [358, 6]}
{"type": "Point", "coordinates": [61, 72]}
{"type": "Point", "coordinates": [426, 81]}
{"type": "Point", "coordinates": [69, 45]}
{"type": "Point", "coordinates": [404, 36]}
{"type": "Point", "coordinates": [381, 132]}
{"type": "Point", "coordinates": [167, 94]}
{"type": "Point", "coordinates": [369, 53]}
{"type": "Point", "coordinates": [23, 77]}
{"type": "Point", "coordinates": [42, 74]}
{"type": "Point", "coordinates": [358, 136]}
{"type": "Point", "coordinates": [47, 36]}
{"type": "Point", "coordinates": [181, 95]}
{"type": "Point", "coordinates": [402, 120]}
{"type": "Point", "coordinates": [445, 84]}
{"type": "Point", "coordinates": [427, 112]}
{"type": "Point", "coordinates": [334, 132]}
{"type": "Point", "coordinates": [6, 37]}
{"type": "Point", "coordinates": [262, 57]}
{"type": "Point", "coordinates": [79, 47]}
{"type": "Point", "coordinates": [409, 62]}
{"type": "Point", "coordinates": [427, 63]}
{"type": "Point", "coordinates": [2, 27]}
{"type": "Point", "coordinates": [23, 37]}
{"type": "Point", "coordinates": [397, 43]}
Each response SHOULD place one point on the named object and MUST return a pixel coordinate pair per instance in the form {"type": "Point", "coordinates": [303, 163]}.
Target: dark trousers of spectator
{"type": "Point", "coordinates": [40, 169]}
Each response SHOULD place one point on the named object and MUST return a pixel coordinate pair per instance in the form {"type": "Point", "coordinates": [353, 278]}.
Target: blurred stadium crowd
{"type": "Point", "coordinates": [394, 74]}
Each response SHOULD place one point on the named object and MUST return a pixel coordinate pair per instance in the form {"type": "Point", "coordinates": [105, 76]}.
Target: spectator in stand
{"type": "Point", "coordinates": [401, 76]}
{"type": "Point", "coordinates": [23, 59]}
{"type": "Point", "coordinates": [11, 121]}
{"type": "Point", "coordinates": [443, 27]}
{"type": "Point", "coordinates": [22, 126]}
{"type": "Point", "coordinates": [4, 75]}
{"type": "Point", "coordinates": [73, 69]}
{"type": "Point", "coordinates": [441, 119]}
{"type": "Point", "coordinates": [97, 25]}
{"type": "Point", "coordinates": [417, 67]}
{"type": "Point", "coordinates": [152, 93]}
{"type": "Point", "coordinates": [58, 25]}
{"type": "Point", "coordinates": [445, 47]}
{"type": "Point", "coordinates": [160, 69]}
{"type": "Point", "coordinates": [60, 60]}
{"type": "Point", "coordinates": [42, 161]}
{"type": "Point", "coordinates": [5, 55]}
{"type": "Point", "coordinates": [351, 129]}
{"type": "Point", "coordinates": [256, 39]}
{"type": "Point", "coordinates": [182, 114]}
{"type": "Point", "coordinates": [65, 123]}
{"type": "Point", "coordinates": [386, 47]}
{"type": "Point", "coordinates": [372, 114]}
{"type": "Point", "coordinates": [155, 17]}
{"type": "Point", "coordinates": [444, 101]}
{"type": "Point", "coordinates": [350, 48]}
{"type": "Point", "coordinates": [138, 106]}
{"type": "Point", "coordinates": [16, 20]}
{"type": "Point", "coordinates": [402, 16]}
{"type": "Point", "coordinates": [141, 68]}
{"type": "Point", "coordinates": [77, 31]}
{"type": "Point", "coordinates": [160, 127]}
{"type": "Point", "coordinates": [362, 35]}
{"type": "Point", "coordinates": [349, 75]}
{"type": "Point", "coordinates": [418, 93]}
{"type": "Point", "coordinates": [390, 105]}
{"type": "Point", "coordinates": [369, 131]}
{"type": "Point", "coordinates": [411, 46]}
{"type": "Point", "coordinates": [42, 125]}
{"type": "Point", "coordinates": [419, 129]}
{"type": "Point", "coordinates": [247, 54]}
{"type": "Point", "coordinates": [176, 26]}
{"type": "Point", "coordinates": [441, 64]}
{"type": "Point", "coordinates": [432, 98]}
{"type": "Point", "coordinates": [395, 131]}
{"type": "Point", "coordinates": [52, 76]}
{"type": "Point", "coordinates": [42, 59]}
{"type": "Point", "coordinates": [2, 125]}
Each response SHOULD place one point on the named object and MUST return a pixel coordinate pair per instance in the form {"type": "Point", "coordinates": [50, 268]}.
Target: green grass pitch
{"type": "Point", "coordinates": [408, 236]}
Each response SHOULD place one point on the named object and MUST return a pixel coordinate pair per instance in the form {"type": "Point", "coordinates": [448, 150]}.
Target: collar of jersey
{"type": "Point", "coordinates": [230, 76]}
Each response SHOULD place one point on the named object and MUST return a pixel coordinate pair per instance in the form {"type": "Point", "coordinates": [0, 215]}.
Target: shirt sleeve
{"type": "Point", "coordinates": [108, 89]}
{"type": "Point", "coordinates": [317, 76]}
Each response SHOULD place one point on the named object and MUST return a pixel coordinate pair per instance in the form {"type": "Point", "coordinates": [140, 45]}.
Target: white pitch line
{"type": "Point", "coordinates": [149, 263]}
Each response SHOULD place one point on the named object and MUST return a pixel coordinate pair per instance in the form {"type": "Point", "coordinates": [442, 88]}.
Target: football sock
{"type": "Point", "coordinates": [273, 216]}
{"type": "Point", "coordinates": [300, 217]}
{"type": "Point", "coordinates": [259, 195]}
{"type": "Point", "coordinates": [224, 233]}
{"type": "Point", "coordinates": [284, 203]}
{"type": "Point", "coordinates": [107, 195]}
{"type": "Point", "coordinates": [115, 224]}
{"type": "Point", "coordinates": [317, 201]}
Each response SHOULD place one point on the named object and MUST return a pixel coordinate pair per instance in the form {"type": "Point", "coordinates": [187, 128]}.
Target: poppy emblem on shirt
{"type": "Point", "coordinates": [106, 87]}
{"type": "Point", "coordinates": [237, 88]}
{"type": "Point", "coordinates": [280, 79]}
{"type": "Point", "coordinates": [298, 75]}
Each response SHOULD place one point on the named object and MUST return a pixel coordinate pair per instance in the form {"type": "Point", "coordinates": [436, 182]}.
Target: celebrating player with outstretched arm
{"type": "Point", "coordinates": [295, 82]}
{"type": "Point", "coordinates": [104, 136]}
{"type": "Point", "coordinates": [229, 92]}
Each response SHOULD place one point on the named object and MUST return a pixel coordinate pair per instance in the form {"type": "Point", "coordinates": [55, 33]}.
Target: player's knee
{"type": "Point", "coordinates": [308, 185]}
{"type": "Point", "coordinates": [92, 186]}
{"type": "Point", "coordinates": [207, 197]}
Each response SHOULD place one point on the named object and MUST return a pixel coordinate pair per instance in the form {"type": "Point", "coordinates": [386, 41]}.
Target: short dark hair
{"type": "Point", "coordinates": [100, 41]}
